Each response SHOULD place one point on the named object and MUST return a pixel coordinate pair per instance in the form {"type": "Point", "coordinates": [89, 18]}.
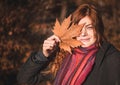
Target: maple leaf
{"type": "Point", "coordinates": [67, 31]}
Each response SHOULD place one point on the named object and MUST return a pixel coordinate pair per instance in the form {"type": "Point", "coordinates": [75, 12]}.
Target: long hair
{"type": "Point", "coordinates": [82, 11]}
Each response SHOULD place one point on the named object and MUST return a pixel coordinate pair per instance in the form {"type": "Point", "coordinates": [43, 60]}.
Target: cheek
{"type": "Point", "coordinates": [93, 36]}
{"type": "Point", "coordinates": [94, 39]}
{"type": "Point", "coordinates": [92, 33]}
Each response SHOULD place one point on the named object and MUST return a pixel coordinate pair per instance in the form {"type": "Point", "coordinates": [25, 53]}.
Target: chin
{"type": "Point", "coordinates": [86, 45]}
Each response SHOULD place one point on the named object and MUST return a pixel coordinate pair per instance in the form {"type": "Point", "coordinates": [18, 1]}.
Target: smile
{"type": "Point", "coordinates": [85, 40]}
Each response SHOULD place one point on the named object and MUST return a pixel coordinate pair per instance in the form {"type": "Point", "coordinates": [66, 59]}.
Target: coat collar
{"type": "Point", "coordinates": [101, 54]}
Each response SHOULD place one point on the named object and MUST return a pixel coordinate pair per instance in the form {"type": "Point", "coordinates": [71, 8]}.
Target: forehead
{"type": "Point", "coordinates": [87, 20]}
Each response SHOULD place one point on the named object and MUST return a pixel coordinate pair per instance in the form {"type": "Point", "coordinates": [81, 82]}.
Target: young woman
{"type": "Point", "coordinates": [95, 62]}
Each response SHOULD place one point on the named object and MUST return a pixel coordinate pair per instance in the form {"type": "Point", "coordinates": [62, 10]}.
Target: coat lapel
{"type": "Point", "coordinates": [101, 54]}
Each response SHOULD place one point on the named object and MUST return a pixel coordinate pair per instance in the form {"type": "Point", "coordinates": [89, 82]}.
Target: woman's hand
{"type": "Point", "coordinates": [50, 45]}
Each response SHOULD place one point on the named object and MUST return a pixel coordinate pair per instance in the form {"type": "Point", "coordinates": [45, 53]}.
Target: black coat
{"type": "Point", "coordinates": [106, 70]}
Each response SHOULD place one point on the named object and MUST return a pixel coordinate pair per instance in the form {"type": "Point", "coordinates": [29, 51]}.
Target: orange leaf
{"type": "Point", "coordinates": [67, 32]}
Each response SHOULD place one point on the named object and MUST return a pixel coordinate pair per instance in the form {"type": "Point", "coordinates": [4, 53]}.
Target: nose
{"type": "Point", "coordinates": [83, 31]}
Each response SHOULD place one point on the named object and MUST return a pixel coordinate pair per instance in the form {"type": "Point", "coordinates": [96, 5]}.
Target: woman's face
{"type": "Point", "coordinates": [87, 36]}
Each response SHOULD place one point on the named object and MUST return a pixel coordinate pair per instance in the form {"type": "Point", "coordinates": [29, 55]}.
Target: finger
{"type": "Point", "coordinates": [46, 48]}
{"type": "Point", "coordinates": [49, 43]}
{"type": "Point", "coordinates": [54, 37]}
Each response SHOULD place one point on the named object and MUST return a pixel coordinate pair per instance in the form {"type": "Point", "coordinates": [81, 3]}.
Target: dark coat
{"type": "Point", "coordinates": [106, 70]}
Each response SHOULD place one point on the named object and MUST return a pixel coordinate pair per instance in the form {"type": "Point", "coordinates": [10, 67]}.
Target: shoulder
{"type": "Point", "coordinates": [111, 54]}
{"type": "Point", "coordinates": [110, 49]}
{"type": "Point", "coordinates": [108, 53]}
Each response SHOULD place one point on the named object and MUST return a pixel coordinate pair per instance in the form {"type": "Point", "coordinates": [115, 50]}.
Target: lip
{"type": "Point", "coordinates": [85, 40]}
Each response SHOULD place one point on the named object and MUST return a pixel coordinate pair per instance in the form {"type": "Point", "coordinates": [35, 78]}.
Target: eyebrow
{"type": "Point", "coordinates": [88, 25]}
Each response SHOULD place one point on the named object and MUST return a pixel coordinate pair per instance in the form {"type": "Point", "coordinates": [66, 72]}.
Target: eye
{"type": "Point", "coordinates": [90, 27]}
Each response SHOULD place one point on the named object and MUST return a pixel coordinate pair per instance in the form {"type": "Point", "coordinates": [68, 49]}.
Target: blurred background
{"type": "Point", "coordinates": [24, 24]}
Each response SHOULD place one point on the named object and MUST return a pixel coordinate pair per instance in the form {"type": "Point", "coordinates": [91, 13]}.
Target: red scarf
{"type": "Point", "coordinates": [76, 67]}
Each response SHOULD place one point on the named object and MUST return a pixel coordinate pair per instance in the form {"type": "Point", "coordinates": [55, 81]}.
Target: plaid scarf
{"type": "Point", "coordinates": [76, 67]}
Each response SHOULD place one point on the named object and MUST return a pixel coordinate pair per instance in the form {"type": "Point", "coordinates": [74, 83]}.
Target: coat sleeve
{"type": "Point", "coordinates": [29, 73]}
